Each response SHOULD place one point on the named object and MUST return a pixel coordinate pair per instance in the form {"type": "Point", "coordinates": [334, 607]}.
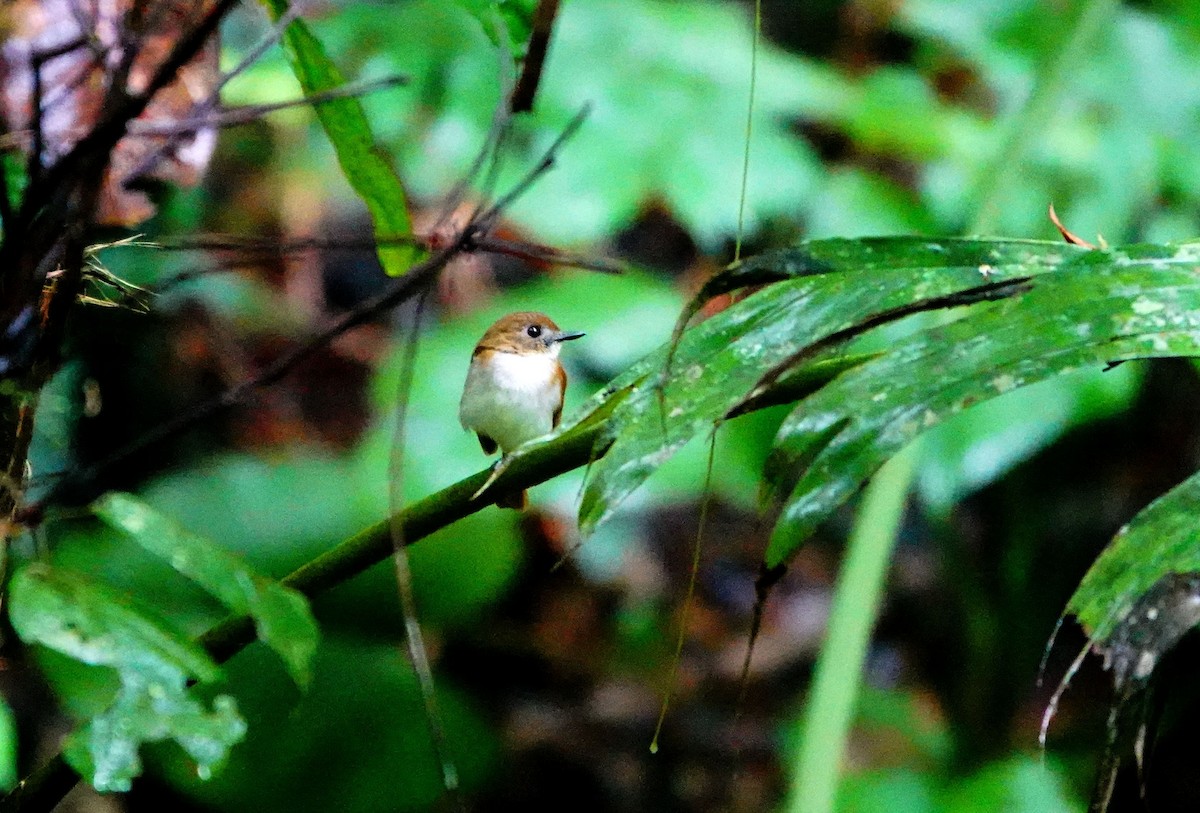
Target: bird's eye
{"type": "Point", "coordinates": [533, 331]}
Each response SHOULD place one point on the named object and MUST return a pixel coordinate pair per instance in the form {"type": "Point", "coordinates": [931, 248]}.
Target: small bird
{"type": "Point", "coordinates": [515, 385]}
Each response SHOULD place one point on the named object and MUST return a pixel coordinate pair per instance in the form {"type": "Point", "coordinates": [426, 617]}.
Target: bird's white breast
{"type": "Point", "coordinates": [511, 397]}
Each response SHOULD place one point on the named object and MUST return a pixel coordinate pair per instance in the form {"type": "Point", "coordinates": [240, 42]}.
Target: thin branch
{"type": "Point", "coordinates": [273, 36]}
{"type": "Point", "coordinates": [535, 57]}
{"type": "Point", "coordinates": [203, 107]}
{"type": "Point", "coordinates": [249, 244]}
{"type": "Point", "coordinates": [109, 130]}
{"type": "Point", "coordinates": [246, 114]}
{"type": "Point", "coordinates": [488, 217]}
{"type": "Point", "coordinates": [33, 167]}
{"type": "Point", "coordinates": [537, 253]}
{"type": "Point", "coordinates": [414, 639]}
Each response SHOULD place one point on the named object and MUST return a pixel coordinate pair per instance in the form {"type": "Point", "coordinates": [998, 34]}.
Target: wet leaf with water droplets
{"type": "Point", "coordinates": [1162, 541]}
{"type": "Point", "coordinates": [823, 287]}
{"type": "Point", "coordinates": [1083, 315]}
{"type": "Point", "coordinates": [154, 663]}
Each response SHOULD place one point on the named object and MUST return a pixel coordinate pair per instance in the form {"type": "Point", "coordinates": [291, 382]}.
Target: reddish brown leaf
{"type": "Point", "coordinates": [1067, 235]}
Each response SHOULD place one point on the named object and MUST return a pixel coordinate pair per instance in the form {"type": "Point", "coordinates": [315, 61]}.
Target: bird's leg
{"type": "Point", "coordinates": [497, 469]}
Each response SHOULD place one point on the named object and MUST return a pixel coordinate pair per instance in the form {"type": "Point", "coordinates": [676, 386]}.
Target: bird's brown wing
{"type": "Point", "coordinates": [560, 377]}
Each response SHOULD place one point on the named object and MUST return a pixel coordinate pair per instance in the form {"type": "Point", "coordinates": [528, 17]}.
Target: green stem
{"type": "Point", "coordinates": [1051, 81]}
{"type": "Point", "coordinates": [834, 692]}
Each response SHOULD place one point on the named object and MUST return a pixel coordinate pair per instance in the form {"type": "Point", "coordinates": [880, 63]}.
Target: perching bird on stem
{"type": "Point", "coordinates": [515, 385]}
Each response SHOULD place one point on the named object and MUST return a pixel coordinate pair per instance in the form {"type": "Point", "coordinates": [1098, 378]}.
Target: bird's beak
{"type": "Point", "coordinates": [566, 336]}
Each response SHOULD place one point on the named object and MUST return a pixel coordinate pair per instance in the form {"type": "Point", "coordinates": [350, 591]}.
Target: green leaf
{"type": "Point", "coordinates": [357, 742]}
{"type": "Point", "coordinates": [1141, 301]}
{"type": "Point", "coordinates": [1162, 540]}
{"type": "Point", "coordinates": [718, 364]}
{"type": "Point", "coordinates": [977, 447]}
{"type": "Point", "coordinates": [667, 124]}
{"type": "Point", "coordinates": [1020, 784]}
{"type": "Point", "coordinates": [515, 15]}
{"type": "Point", "coordinates": [281, 615]}
{"type": "Point", "coordinates": [366, 166]}
{"type": "Point", "coordinates": [154, 663]}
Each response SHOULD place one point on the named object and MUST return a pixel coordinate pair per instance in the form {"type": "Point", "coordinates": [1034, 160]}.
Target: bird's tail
{"type": "Point", "coordinates": [514, 499]}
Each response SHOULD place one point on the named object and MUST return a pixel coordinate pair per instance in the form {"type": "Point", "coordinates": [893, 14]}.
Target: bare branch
{"type": "Point", "coordinates": [535, 57]}
{"type": "Point", "coordinates": [248, 113]}
{"type": "Point", "coordinates": [203, 108]}
{"type": "Point", "coordinates": [126, 107]}
{"type": "Point", "coordinates": [488, 218]}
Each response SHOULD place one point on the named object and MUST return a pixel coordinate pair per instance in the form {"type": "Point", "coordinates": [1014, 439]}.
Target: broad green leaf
{"type": "Point", "coordinates": [280, 614]}
{"type": "Point", "coordinates": [1162, 540]}
{"type": "Point", "coordinates": [367, 167]}
{"type": "Point", "coordinates": [96, 625]}
{"type": "Point", "coordinates": [717, 364]}
{"type": "Point", "coordinates": [1101, 158]}
{"type": "Point", "coordinates": [1143, 301]}
{"type": "Point", "coordinates": [356, 742]}
{"type": "Point", "coordinates": [667, 123]}
{"type": "Point", "coordinates": [896, 791]}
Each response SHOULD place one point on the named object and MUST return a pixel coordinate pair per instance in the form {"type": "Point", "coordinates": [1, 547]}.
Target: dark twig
{"type": "Point", "coordinates": [246, 114]}
{"type": "Point", "coordinates": [492, 144]}
{"type": "Point", "coordinates": [535, 253]}
{"type": "Point", "coordinates": [273, 36]}
{"type": "Point", "coordinates": [402, 289]}
{"type": "Point", "coordinates": [201, 108]}
{"type": "Point", "coordinates": [109, 130]}
{"type": "Point", "coordinates": [501, 117]}
{"type": "Point", "coordinates": [37, 106]}
{"type": "Point", "coordinates": [535, 57]}
{"type": "Point", "coordinates": [33, 167]}
{"type": "Point", "coordinates": [488, 217]}
{"type": "Point", "coordinates": [251, 245]}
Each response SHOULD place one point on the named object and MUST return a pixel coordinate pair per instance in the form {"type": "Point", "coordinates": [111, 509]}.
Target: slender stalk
{"type": "Point", "coordinates": [834, 693]}
{"type": "Point", "coordinates": [741, 216]}
{"type": "Point", "coordinates": [1051, 82]}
